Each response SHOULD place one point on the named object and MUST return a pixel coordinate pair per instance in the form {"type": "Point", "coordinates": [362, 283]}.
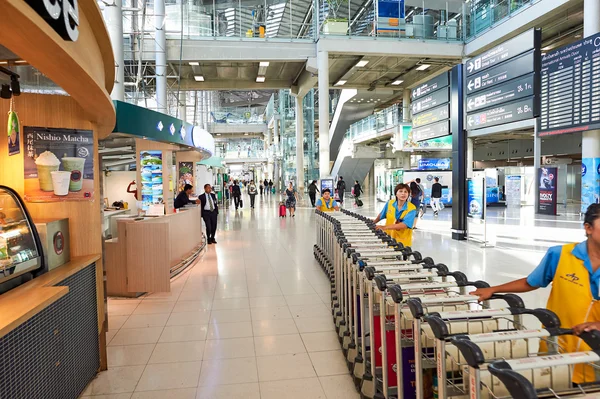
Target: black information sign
{"type": "Point", "coordinates": [432, 131]}
{"type": "Point", "coordinates": [430, 86]}
{"type": "Point", "coordinates": [547, 195]}
{"type": "Point", "coordinates": [505, 113]}
{"type": "Point", "coordinates": [502, 84]}
{"type": "Point", "coordinates": [501, 53]}
{"type": "Point", "coordinates": [433, 100]}
{"type": "Point", "coordinates": [510, 91]}
{"type": "Point", "coordinates": [432, 116]}
{"type": "Point", "coordinates": [570, 88]}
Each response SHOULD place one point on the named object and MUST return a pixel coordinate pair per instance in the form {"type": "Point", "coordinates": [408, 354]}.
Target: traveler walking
{"type": "Point", "coordinates": [236, 192]}
{"type": "Point", "coordinates": [252, 193]}
{"type": "Point", "coordinates": [312, 192]}
{"type": "Point", "coordinates": [270, 186]}
{"type": "Point", "coordinates": [210, 210]}
{"type": "Point", "coordinates": [436, 196]}
{"type": "Point", "coordinates": [292, 197]}
{"type": "Point", "coordinates": [262, 188]}
{"type": "Point", "coordinates": [266, 184]}
{"type": "Point", "coordinates": [341, 188]}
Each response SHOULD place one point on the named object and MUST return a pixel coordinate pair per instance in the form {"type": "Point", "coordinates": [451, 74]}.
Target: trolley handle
{"type": "Point", "coordinates": [548, 318]}
{"type": "Point", "coordinates": [512, 300]}
{"type": "Point", "coordinates": [470, 351]}
{"type": "Point", "coordinates": [396, 293]}
{"type": "Point", "coordinates": [518, 386]}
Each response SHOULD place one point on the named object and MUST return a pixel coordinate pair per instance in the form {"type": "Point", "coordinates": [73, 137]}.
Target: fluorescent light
{"type": "Point", "coordinates": [245, 134]}
{"type": "Point", "coordinates": [199, 78]}
{"type": "Point", "coordinates": [194, 63]}
{"type": "Point", "coordinates": [423, 67]}
{"type": "Point", "coordinates": [264, 64]}
{"type": "Point", "coordinates": [260, 79]}
{"type": "Point", "coordinates": [362, 63]}
{"type": "Point", "coordinates": [340, 83]}
{"type": "Point", "coordinates": [397, 82]}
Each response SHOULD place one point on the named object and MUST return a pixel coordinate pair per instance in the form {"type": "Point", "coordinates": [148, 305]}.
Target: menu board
{"type": "Point", "coordinates": [152, 178]}
{"type": "Point", "coordinates": [431, 108]}
{"type": "Point", "coordinates": [570, 93]}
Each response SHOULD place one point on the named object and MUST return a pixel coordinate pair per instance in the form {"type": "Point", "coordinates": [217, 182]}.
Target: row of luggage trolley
{"type": "Point", "coordinates": [431, 339]}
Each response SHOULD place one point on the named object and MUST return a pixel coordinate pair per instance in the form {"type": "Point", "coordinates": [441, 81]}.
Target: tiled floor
{"type": "Point", "coordinates": [250, 319]}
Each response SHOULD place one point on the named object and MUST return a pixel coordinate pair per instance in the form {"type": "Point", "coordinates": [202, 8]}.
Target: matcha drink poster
{"type": "Point", "coordinates": [59, 164]}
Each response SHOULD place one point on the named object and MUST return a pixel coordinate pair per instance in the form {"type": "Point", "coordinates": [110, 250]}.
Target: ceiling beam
{"type": "Point", "coordinates": [235, 84]}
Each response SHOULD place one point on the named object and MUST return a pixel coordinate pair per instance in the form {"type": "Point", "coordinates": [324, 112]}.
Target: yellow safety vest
{"type": "Point", "coordinates": [572, 301]}
{"type": "Point", "coordinates": [325, 207]}
{"type": "Point", "coordinates": [403, 236]}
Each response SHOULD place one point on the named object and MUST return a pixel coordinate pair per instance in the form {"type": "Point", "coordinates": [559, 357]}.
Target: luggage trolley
{"type": "Point", "coordinates": [508, 338]}
{"type": "Point", "coordinates": [545, 375]}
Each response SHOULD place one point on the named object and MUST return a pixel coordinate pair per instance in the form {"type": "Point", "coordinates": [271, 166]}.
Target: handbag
{"type": "Point", "coordinates": [241, 203]}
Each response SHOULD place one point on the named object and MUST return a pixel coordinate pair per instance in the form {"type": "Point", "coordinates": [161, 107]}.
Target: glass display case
{"type": "Point", "coordinates": [21, 253]}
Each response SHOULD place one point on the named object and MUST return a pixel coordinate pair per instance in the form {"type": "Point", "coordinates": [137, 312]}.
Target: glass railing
{"type": "Point", "coordinates": [484, 14]}
{"type": "Point", "coordinates": [392, 19]}
{"type": "Point", "coordinates": [376, 123]}
{"type": "Point", "coordinates": [242, 149]}
{"type": "Point", "coordinates": [236, 116]}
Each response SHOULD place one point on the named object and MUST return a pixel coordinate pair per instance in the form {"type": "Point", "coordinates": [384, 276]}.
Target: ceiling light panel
{"type": "Point", "coordinates": [397, 82]}
{"type": "Point", "coordinates": [199, 78]}
{"type": "Point", "coordinates": [194, 63]}
{"type": "Point", "coordinates": [423, 67]}
{"type": "Point", "coordinates": [362, 63]}
{"type": "Point", "coordinates": [340, 83]}
{"type": "Point", "coordinates": [260, 79]}
{"type": "Point", "coordinates": [264, 63]}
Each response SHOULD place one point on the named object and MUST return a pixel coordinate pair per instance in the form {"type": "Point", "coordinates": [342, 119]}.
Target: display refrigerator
{"type": "Point", "coordinates": [21, 253]}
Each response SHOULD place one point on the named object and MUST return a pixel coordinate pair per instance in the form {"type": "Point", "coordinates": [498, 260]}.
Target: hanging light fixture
{"type": "Point", "coordinates": [5, 92]}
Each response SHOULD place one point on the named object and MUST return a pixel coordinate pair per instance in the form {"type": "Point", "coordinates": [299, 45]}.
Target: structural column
{"type": "Point", "coordinates": [182, 106]}
{"type": "Point", "coordinates": [113, 15]}
{"type": "Point", "coordinates": [161, 55]}
{"type": "Point", "coordinates": [323, 70]}
{"type": "Point", "coordinates": [590, 142]}
{"type": "Point", "coordinates": [469, 158]}
{"type": "Point", "coordinates": [406, 106]}
{"type": "Point", "coordinates": [300, 144]}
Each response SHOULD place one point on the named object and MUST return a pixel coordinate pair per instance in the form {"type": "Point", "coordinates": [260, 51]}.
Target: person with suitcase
{"type": "Point", "coordinates": [236, 193]}
{"type": "Point", "coordinates": [292, 197]}
{"type": "Point", "coordinates": [357, 191]}
{"type": "Point", "coordinates": [326, 203]}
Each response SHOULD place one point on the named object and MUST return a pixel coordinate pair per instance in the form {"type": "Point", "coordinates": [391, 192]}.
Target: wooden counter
{"type": "Point", "coordinates": [22, 303]}
{"type": "Point", "coordinates": [145, 251]}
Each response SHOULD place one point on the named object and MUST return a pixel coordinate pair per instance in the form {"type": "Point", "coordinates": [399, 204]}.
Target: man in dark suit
{"type": "Point", "coordinates": [183, 198]}
{"type": "Point", "coordinates": [210, 210]}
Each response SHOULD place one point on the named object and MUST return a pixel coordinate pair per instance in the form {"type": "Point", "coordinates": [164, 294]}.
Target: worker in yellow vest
{"type": "Point", "coordinates": [574, 271]}
{"type": "Point", "coordinates": [326, 203]}
{"type": "Point", "coordinates": [399, 215]}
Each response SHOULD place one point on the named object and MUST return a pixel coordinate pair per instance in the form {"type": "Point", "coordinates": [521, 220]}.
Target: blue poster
{"type": "Point", "coordinates": [434, 164]}
{"type": "Point", "coordinates": [476, 200]}
{"type": "Point", "coordinates": [590, 182]}
{"type": "Point", "coordinates": [390, 15]}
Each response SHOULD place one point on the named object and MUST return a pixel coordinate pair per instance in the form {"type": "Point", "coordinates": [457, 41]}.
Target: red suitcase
{"type": "Point", "coordinates": [282, 210]}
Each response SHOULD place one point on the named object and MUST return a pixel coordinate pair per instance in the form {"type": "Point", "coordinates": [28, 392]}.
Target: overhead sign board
{"type": "Point", "coordinates": [505, 113]}
{"type": "Point", "coordinates": [570, 88]}
{"type": "Point", "coordinates": [514, 68]}
{"type": "Point", "coordinates": [432, 100]}
{"type": "Point", "coordinates": [431, 116]}
{"type": "Point", "coordinates": [510, 91]}
{"type": "Point", "coordinates": [434, 130]}
{"type": "Point", "coordinates": [501, 53]}
{"type": "Point", "coordinates": [430, 86]}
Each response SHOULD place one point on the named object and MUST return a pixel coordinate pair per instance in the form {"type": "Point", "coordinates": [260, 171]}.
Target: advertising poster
{"type": "Point", "coordinates": [59, 164]}
{"type": "Point", "coordinates": [152, 178]}
{"type": "Point", "coordinates": [476, 198]}
{"type": "Point", "coordinates": [513, 191]}
{"type": "Point", "coordinates": [14, 133]}
{"type": "Point", "coordinates": [547, 199]}
{"type": "Point", "coordinates": [327, 183]}
{"type": "Point", "coordinates": [434, 164]}
{"type": "Point", "coordinates": [590, 182]}
{"type": "Point", "coordinates": [186, 175]}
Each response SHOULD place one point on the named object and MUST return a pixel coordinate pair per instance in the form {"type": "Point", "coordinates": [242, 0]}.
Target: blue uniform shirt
{"type": "Point", "coordinates": [320, 203]}
{"type": "Point", "coordinates": [409, 219]}
{"type": "Point", "coordinates": [543, 275]}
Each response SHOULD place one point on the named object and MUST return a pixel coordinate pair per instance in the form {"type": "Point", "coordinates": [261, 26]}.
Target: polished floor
{"type": "Point", "coordinates": [251, 318]}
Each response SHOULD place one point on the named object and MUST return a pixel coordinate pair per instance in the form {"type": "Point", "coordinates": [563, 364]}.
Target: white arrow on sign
{"type": "Point", "coordinates": [470, 85]}
{"type": "Point", "coordinates": [470, 121]}
{"type": "Point", "coordinates": [470, 66]}
{"type": "Point", "coordinates": [470, 104]}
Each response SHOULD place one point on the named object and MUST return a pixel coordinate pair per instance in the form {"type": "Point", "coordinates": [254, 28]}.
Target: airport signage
{"type": "Point", "coordinates": [510, 91]}
{"type": "Point", "coordinates": [430, 86]}
{"type": "Point", "coordinates": [570, 88]}
{"type": "Point", "coordinates": [519, 66]}
{"type": "Point", "coordinates": [501, 53]}
{"type": "Point", "coordinates": [431, 116]}
{"type": "Point", "coordinates": [434, 130]}
{"type": "Point", "coordinates": [430, 101]}
{"type": "Point", "coordinates": [502, 114]}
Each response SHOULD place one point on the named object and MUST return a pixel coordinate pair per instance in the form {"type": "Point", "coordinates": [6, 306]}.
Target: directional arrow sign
{"type": "Point", "coordinates": [510, 91]}
{"type": "Point", "coordinates": [432, 116]}
{"type": "Point", "coordinates": [519, 66]}
{"type": "Point", "coordinates": [505, 51]}
{"type": "Point", "coordinates": [503, 114]}
{"type": "Point", "coordinates": [430, 86]}
{"type": "Point", "coordinates": [433, 100]}
{"type": "Point", "coordinates": [438, 129]}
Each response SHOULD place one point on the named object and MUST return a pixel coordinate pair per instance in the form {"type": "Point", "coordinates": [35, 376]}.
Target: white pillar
{"type": "Point", "coordinates": [469, 158]}
{"type": "Point", "coordinates": [182, 110]}
{"type": "Point", "coordinates": [590, 141]}
{"type": "Point", "coordinates": [323, 70]}
{"type": "Point", "coordinates": [113, 15]}
{"type": "Point", "coordinates": [300, 144]}
{"type": "Point", "coordinates": [161, 55]}
{"type": "Point", "coordinates": [406, 116]}
{"type": "Point", "coordinates": [276, 134]}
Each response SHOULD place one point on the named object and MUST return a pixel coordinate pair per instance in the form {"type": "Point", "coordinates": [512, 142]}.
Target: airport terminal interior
{"type": "Point", "coordinates": [312, 199]}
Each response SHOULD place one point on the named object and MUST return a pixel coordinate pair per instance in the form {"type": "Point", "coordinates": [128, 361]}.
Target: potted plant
{"type": "Point", "coordinates": [334, 23]}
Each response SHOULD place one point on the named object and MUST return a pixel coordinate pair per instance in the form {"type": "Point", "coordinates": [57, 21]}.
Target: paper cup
{"type": "Point", "coordinates": [45, 176]}
{"type": "Point", "coordinates": [61, 181]}
{"type": "Point", "coordinates": [74, 165]}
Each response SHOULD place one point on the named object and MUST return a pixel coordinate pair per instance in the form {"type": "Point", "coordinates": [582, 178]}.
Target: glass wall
{"type": "Point", "coordinates": [483, 14]}
{"type": "Point", "coordinates": [376, 123]}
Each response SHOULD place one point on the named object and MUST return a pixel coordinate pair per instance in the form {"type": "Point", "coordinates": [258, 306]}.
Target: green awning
{"type": "Point", "coordinates": [215, 162]}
